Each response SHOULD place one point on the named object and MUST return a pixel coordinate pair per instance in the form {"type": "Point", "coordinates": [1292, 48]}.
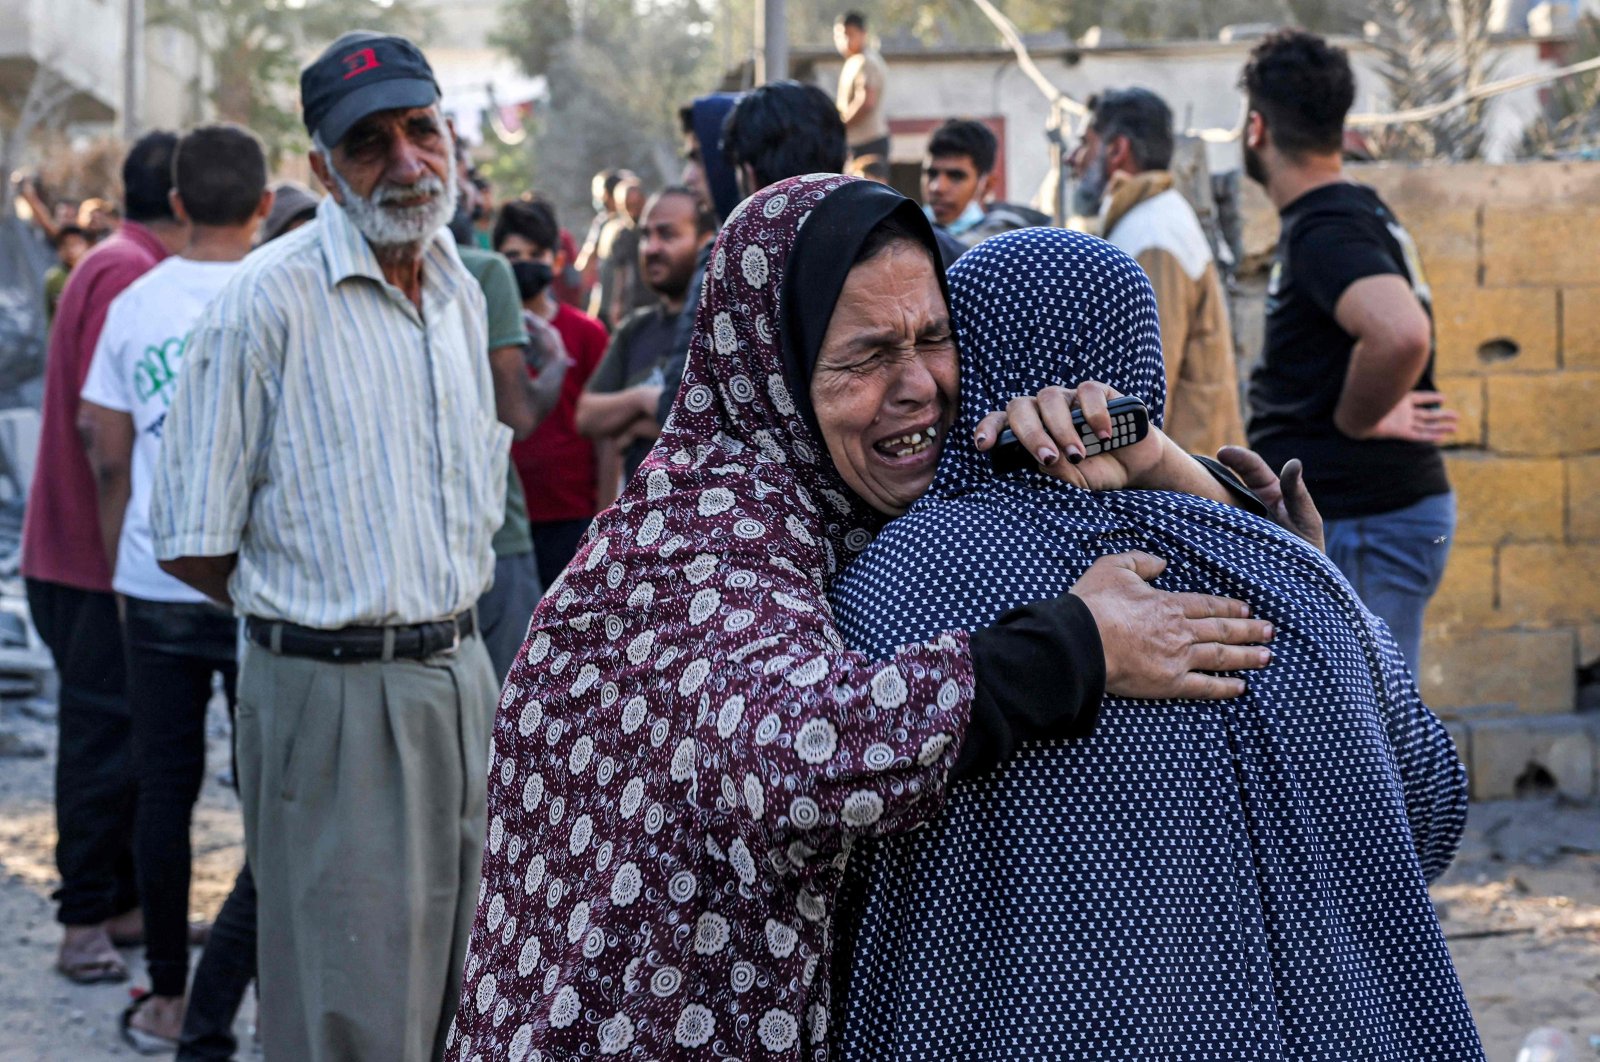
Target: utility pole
{"type": "Point", "coordinates": [772, 63]}
{"type": "Point", "coordinates": [133, 70]}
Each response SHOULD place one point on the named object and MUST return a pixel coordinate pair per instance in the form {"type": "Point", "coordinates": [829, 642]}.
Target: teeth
{"type": "Point", "coordinates": [916, 439]}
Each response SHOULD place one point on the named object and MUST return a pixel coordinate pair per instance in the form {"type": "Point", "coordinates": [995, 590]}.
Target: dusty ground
{"type": "Point", "coordinates": [1521, 907]}
{"type": "Point", "coordinates": [44, 1017]}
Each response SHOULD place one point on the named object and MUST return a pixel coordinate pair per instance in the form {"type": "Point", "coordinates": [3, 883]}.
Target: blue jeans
{"type": "Point", "coordinates": [1395, 561]}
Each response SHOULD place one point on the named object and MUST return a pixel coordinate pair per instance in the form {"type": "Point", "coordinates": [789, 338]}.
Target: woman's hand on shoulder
{"type": "Point", "coordinates": [1160, 644]}
{"type": "Point", "coordinates": [1043, 424]}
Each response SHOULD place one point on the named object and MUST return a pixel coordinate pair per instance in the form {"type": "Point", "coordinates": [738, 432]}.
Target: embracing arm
{"type": "Point", "coordinates": [868, 744]}
{"type": "Point", "coordinates": [1043, 423]}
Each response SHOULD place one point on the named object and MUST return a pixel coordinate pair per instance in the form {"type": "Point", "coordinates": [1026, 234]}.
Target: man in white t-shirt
{"type": "Point", "coordinates": [177, 640]}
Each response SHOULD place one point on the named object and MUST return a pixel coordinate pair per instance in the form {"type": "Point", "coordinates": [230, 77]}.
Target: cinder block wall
{"type": "Point", "coordinates": [1513, 257]}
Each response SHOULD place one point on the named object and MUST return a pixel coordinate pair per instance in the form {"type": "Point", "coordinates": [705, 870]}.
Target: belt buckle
{"type": "Point", "coordinates": [455, 635]}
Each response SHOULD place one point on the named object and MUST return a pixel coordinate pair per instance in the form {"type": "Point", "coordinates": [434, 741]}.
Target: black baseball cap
{"type": "Point", "coordinates": [360, 73]}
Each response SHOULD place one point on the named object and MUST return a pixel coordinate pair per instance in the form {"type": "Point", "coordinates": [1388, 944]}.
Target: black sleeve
{"type": "Point", "coordinates": [672, 371]}
{"type": "Point", "coordinates": [1040, 673]}
{"type": "Point", "coordinates": [1327, 255]}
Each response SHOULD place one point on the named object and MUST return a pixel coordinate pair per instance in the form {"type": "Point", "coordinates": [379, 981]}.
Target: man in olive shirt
{"type": "Point", "coordinates": [504, 609]}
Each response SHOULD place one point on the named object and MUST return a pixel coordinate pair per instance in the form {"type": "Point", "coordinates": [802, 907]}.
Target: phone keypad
{"type": "Point", "coordinates": [1124, 430]}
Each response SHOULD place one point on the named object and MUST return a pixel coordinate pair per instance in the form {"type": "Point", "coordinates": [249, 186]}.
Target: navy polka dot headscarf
{"type": "Point", "coordinates": [1244, 879]}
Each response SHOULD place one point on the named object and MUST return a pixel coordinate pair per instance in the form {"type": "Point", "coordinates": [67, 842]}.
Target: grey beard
{"type": "Point", "coordinates": [388, 226]}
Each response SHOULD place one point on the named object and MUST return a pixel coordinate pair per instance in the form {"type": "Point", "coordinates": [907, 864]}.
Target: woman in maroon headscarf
{"type": "Point", "coordinates": [685, 749]}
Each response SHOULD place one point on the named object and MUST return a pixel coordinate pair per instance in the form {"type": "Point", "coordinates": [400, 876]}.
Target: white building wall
{"type": "Point", "coordinates": [1198, 80]}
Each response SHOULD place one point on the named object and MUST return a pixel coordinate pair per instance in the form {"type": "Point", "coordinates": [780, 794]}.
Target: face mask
{"type": "Point", "coordinates": [969, 218]}
{"type": "Point", "coordinates": [532, 278]}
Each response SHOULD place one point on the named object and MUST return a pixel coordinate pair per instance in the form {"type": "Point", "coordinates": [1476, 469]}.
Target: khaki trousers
{"type": "Point", "coordinates": [363, 788]}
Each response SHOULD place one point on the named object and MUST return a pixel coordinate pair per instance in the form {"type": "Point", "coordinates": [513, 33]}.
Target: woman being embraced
{"type": "Point", "coordinates": [685, 749]}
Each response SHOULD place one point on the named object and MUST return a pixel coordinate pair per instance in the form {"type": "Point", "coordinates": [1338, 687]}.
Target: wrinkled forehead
{"type": "Point", "coordinates": [1046, 307]}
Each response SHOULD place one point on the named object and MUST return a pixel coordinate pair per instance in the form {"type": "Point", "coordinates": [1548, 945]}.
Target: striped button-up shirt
{"type": "Point", "coordinates": [343, 444]}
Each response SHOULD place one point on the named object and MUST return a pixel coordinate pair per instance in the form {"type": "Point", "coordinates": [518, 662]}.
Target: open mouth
{"type": "Point", "coordinates": [910, 444]}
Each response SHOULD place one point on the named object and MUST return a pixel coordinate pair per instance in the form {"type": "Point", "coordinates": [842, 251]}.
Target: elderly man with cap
{"type": "Point", "coordinates": [333, 469]}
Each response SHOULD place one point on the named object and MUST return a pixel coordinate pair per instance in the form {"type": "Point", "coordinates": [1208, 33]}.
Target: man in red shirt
{"type": "Point", "coordinates": [566, 477]}
{"type": "Point", "coordinates": [69, 590]}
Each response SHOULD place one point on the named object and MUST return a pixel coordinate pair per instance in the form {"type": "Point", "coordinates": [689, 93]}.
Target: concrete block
{"type": "Point", "coordinates": [1447, 239]}
{"type": "Point", "coordinates": [1580, 328]}
{"type": "Point", "coordinates": [1558, 751]}
{"type": "Point", "coordinates": [1547, 415]}
{"type": "Point", "coordinates": [1535, 246]}
{"type": "Point", "coordinates": [1507, 499]}
{"type": "Point", "coordinates": [1466, 599]}
{"type": "Point", "coordinates": [1583, 498]}
{"type": "Point", "coordinates": [1533, 670]}
{"type": "Point", "coordinates": [1490, 330]}
{"type": "Point", "coordinates": [1464, 394]}
{"type": "Point", "coordinates": [1550, 583]}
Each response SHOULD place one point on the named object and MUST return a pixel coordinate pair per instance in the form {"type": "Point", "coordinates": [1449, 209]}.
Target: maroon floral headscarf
{"type": "Point", "coordinates": [684, 749]}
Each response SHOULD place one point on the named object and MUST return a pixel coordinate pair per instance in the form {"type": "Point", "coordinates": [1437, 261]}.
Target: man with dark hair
{"type": "Point", "coordinates": [624, 393]}
{"type": "Point", "coordinates": [177, 640]}
{"type": "Point", "coordinates": [617, 237]}
{"type": "Point", "coordinates": [1121, 168]}
{"type": "Point", "coordinates": [1346, 375]}
{"type": "Point", "coordinates": [621, 291]}
{"type": "Point", "coordinates": [334, 469]}
{"type": "Point", "coordinates": [863, 80]}
{"type": "Point", "coordinates": [955, 188]}
{"type": "Point", "coordinates": [69, 589]}
{"type": "Point", "coordinates": [567, 478]}
{"type": "Point", "coordinates": [783, 129]}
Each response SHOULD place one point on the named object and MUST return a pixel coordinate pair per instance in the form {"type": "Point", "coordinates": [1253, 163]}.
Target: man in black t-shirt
{"type": "Point", "coordinates": [621, 398]}
{"type": "Point", "coordinates": [1346, 375]}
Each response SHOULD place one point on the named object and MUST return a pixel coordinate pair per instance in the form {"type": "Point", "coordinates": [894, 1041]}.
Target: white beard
{"type": "Point", "coordinates": [387, 226]}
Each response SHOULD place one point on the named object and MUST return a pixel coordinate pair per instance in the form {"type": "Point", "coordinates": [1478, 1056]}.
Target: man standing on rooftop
{"type": "Point", "coordinates": [333, 469]}
{"type": "Point", "coordinates": [862, 83]}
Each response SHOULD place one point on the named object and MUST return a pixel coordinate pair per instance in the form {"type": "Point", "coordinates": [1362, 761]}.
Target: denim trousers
{"type": "Point", "coordinates": [95, 790]}
{"type": "Point", "coordinates": [174, 649]}
{"type": "Point", "coordinates": [1395, 561]}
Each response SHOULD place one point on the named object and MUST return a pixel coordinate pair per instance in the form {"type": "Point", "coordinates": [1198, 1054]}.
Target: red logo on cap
{"type": "Point", "coordinates": [359, 63]}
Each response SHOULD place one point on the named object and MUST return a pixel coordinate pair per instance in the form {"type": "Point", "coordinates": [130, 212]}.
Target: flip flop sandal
{"type": "Point", "coordinates": [142, 1041]}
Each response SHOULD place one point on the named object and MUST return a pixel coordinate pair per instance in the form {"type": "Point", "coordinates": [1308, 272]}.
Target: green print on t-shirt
{"type": "Point", "coordinates": [156, 371]}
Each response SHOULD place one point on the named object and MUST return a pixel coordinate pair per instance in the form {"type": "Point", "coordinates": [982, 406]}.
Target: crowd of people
{"type": "Point", "coordinates": [632, 650]}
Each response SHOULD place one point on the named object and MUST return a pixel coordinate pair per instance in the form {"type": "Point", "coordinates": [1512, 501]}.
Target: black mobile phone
{"type": "Point", "coordinates": [1130, 422]}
